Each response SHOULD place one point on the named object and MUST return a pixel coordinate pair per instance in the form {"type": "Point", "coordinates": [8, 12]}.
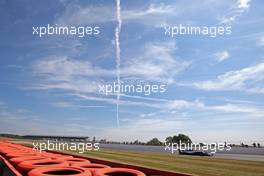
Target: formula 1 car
{"type": "Point", "coordinates": [195, 153]}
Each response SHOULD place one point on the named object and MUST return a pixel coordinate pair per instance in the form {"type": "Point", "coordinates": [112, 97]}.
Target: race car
{"type": "Point", "coordinates": [195, 153]}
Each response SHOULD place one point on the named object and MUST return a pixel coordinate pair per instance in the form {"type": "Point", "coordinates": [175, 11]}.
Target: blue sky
{"type": "Point", "coordinates": [215, 86]}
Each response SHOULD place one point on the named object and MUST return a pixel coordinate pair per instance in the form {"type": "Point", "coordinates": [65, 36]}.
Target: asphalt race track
{"type": "Point", "coordinates": [240, 153]}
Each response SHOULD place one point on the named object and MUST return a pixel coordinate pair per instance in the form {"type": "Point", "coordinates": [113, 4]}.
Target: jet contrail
{"type": "Point", "coordinates": [117, 43]}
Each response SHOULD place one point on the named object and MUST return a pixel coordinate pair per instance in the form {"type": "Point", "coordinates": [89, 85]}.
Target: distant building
{"type": "Point", "coordinates": [58, 138]}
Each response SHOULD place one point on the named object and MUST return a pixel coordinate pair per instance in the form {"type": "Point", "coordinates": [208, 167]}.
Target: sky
{"type": "Point", "coordinates": [214, 86]}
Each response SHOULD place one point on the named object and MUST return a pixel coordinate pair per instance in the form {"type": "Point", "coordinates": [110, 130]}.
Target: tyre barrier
{"type": "Point", "coordinates": [25, 166]}
{"type": "Point", "coordinates": [54, 171]}
{"type": "Point", "coordinates": [118, 172]}
{"type": "Point", "coordinates": [27, 162]}
{"type": "Point", "coordinates": [93, 167]}
{"type": "Point", "coordinates": [18, 160]}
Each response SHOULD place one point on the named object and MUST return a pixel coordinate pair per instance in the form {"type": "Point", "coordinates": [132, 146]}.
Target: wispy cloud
{"type": "Point", "coordinates": [236, 11]}
{"type": "Point", "coordinates": [261, 41]}
{"type": "Point", "coordinates": [221, 56]}
{"type": "Point", "coordinates": [158, 62]}
{"type": "Point", "coordinates": [71, 105]}
{"type": "Point", "coordinates": [248, 79]}
{"type": "Point", "coordinates": [180, 105]}
{"type": "Point", "coordinates": [76, 14]}
{"type": "Point", "coordinates": [61, 68]}
{"type": "Point", "coordinates": [165, 122]}
{"type": "Point", "coordinates": [150, 14]}
{"type": "Point", "coordinates": [68, 74]}
{"type": "Point", "coordinates": [73, 76]}
{"type": "Point", "coordinates": [244, 4]}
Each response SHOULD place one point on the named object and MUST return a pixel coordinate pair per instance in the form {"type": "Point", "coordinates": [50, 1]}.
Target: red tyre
{"type": "Point", "coordinates": [118, 172]}
{"type": "Point", "coordinates": [26, 166]}
{"type": "Point", "coordinates": [18, 160]}
{"type": "Point", "coordinates": [91, 167]}
{"type": "Point", "coordinates": [52, 171]}
{"type": "Point", "coordinates": [72, 161]}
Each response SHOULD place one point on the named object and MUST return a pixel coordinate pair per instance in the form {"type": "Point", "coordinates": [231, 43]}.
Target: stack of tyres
{"type": "Point", "coordinates": [33, 163]}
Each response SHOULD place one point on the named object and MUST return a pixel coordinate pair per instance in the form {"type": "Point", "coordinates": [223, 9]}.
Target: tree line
{"type": "Point", "coordinates": [171, 139]}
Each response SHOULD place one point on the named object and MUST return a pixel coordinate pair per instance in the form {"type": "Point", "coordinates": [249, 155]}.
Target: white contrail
{"type": "Point", "coordinates": [117, 43]}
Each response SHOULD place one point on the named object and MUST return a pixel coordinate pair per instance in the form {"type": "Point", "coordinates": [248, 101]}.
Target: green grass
{"type": "Point", "coordinates": [185, 164]}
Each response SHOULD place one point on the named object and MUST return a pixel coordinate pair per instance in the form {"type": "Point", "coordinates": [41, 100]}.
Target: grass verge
{"type": "Point", "coordinates": [195, 165]}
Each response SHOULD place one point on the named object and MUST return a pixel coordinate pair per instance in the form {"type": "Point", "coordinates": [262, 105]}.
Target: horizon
{"type": "Point", "coordinates": [123, 142]}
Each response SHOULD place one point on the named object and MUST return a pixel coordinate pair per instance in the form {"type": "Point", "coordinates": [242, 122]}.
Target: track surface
{"type": "Point", "coordinates": [254, 154]}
